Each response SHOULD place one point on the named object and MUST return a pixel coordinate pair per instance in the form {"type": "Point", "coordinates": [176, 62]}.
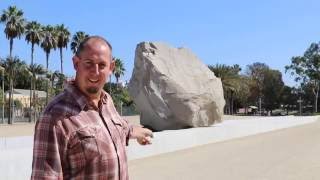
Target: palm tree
{"type": "Point", "coordinates": [76, 40]}
{"type": "Point", "coordinates": [14, 22]}
{"type": "Point", "coordinates": [34, 35]}
{"type": "Point", "coordinates": [118, 69]}
{"type": "Point", "coordinates": [38, 70]}
{"type": "Point", "coordinates": [52, 77]}
{"type": "Point", "coordinates": [34, 69]}
{"type": "Point", "coordinates": [48, 43]}
{"type": "Point", "coordinates": [59, 84]}
{"type": "Point", "coordinates": [230, 79]}
{"type": "Point", "coordinates": [63, 35]}
{"type": "Point", "coordinates": [13, 65]}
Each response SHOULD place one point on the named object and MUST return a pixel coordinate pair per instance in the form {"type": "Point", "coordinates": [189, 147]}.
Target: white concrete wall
{"type": "Point", "coordinates": [15, 157]}
{"type": "Point", "coordinates": [168, 141]}
{"type": "Point", "coordinates": [16, 153]}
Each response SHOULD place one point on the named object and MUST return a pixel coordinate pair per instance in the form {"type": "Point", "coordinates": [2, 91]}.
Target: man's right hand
{"type": "Point", "coordinates": [143, 135]}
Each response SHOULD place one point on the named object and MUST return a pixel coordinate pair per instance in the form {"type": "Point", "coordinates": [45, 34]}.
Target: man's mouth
{"type": "Point", "coordinates": [93, 80]}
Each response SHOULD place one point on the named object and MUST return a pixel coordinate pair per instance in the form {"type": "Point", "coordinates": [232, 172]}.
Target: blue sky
{"type": "Point", "coordinates": [224, 32]}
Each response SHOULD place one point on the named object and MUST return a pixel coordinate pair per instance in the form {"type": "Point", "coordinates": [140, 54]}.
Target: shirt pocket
{"type": "Point", "coordinates": [83, 147]}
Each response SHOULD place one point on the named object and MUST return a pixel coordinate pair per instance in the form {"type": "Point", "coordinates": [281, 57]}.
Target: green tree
{"type": "Point", "coordinates": [120, 96]}
{"type": "Point", "coordinates": [230, 79]}
{"type": "Point", "coordinates": [289, 97]}
{"type": "Point", "coordinates": [243, 92]}
{"type": "Point", "coordinates": [256, 72]}
{"type": "Point", "coordinates": [272, 89]}
{"type": "Point", "coordinates": [119, 69]}
{"type": "Point", "coordinates": [59, 83]}
{"type": "Point", "coordinates": [266, 87]}
{"type": "Point", "coordinates": [48, 43]}
{"type": "Point", "coordinates": [307, 97]}
{"type": "Point", "coordinates": [306, 70]}
{"type": "Point", "coordinates": [14, 24]}
{"type": "Point", "coordinates": [35, 69]}
{"type": "Point", "coordinates": [23, 80]}
{"type": "Point", "coordinates": [76, 40]}
{"type": "Point", "coordinates": [63, 35]}
{"type": "Point", "coordinates": [56, 79]}
{"type": "Point", "coordinates": [34, 34]}
{"type": "Point", "coordinates": [17, 104]}
{"type": "Point", "coordinates": [13, 66]}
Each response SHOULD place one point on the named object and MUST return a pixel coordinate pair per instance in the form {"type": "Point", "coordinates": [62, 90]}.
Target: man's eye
{"type": "Point", "coordinates": [88, 63]}
{"type": "Point", "coordinates": [102, 66]}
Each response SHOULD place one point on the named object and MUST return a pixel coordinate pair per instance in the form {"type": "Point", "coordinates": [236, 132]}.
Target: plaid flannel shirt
{"type": "Point", "coordinates": [75, 140]}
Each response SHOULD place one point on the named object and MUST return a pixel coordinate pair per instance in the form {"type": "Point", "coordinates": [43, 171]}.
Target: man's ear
{"type": "Point", "coordinates": [75, 60]}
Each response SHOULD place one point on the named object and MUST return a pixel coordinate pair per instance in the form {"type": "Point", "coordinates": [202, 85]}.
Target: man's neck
{"type": "Point", "coordinates": [96, 102]}
{"type": "Point", "coordinates": [94, 99]}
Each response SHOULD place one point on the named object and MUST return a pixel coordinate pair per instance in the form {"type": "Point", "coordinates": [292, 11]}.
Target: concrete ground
{"type": "Point", "coordinates": [288, 154]}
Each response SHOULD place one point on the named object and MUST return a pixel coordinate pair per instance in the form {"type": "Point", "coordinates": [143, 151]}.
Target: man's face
{"type": "Point", "coordinates": [93, 67]}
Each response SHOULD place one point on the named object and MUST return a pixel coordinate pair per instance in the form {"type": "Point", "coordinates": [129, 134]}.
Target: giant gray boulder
{"type": "Point", "coordinates": [173, 89]}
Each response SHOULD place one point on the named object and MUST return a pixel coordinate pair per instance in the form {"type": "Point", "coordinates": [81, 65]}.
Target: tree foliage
{"type": "Point", "coordinates": [266, 86]}
{"type": "Point", "coordinates": [13, 66]}
{"type": "Point", "coordinates": [119, 69]}
{"type": "Point", "coordinates": [63, 36]}
{"type": "Point", "coordinates": [76, 40]}
{"type": "Point", "coordinates": [231, 83]}
{"type": "Point", "coordinates": [14, 24]}
{"type": "Point", "coordinates": [306, 70]}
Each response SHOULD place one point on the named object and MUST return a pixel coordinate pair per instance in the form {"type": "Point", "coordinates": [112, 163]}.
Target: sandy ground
{"type": "Point", "coordinates": [27, 129]}
{"type": "Point", "coordinates": [17, 129]}
{"type": "Point", "coordinates": [289, 154]}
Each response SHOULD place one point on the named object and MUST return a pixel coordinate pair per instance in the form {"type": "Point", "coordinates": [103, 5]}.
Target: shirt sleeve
{"type": "Point", "coordinates": [48, 150]}
{"type": "Point", "coordinates": [128, 130]}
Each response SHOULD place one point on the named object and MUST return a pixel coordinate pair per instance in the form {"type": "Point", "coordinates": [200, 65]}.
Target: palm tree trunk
{"type": "Point", "coordinates": [47, 61]}
{"type": "Point", "coordinates": [52, 84]}
{"type": "Point", "coordinates": [246, 108]}
{"type": "Point", "coordinates": [315, 91]}
{"type": "Point", "coordinates": [231, 103]}
{"type": "Point", "coordinates": [34, 99]}
{"type": "Point", "coordinates": [110, 84]}
{"type": "Point", "coordinates": [31, 88]}
{"type": "Point", "coordinates": [316, 100]}
{"type": "Point", "coordinates": [61, 60]}
{"type": "Point", "coordinates": [47, 84]}
{"type": "Point", "coordinates": [228, 103]}
{"type": "Point", "coordinates": [11, 46]}
{"type": "Point", "coordinates": [30, 109]}
{"type": "Point", "coordinates": [117, 80]}
{"type": "Point", "coordinates": [10, 101]}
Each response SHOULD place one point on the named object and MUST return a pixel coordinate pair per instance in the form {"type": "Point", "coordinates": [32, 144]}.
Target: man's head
{"type": "Point", "coordinates": [93, 64]}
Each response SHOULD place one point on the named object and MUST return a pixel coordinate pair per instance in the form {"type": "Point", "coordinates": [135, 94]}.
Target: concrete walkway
{"type": "Point", "coordinates": [288, 154]}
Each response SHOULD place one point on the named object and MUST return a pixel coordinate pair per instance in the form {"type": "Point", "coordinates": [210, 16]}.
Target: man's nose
{"type": "Point", "coordinates": [95, 69]}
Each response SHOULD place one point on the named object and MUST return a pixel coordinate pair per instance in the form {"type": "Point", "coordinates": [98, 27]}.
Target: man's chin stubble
{"type": "Point", "coordinates": [92, 90]}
